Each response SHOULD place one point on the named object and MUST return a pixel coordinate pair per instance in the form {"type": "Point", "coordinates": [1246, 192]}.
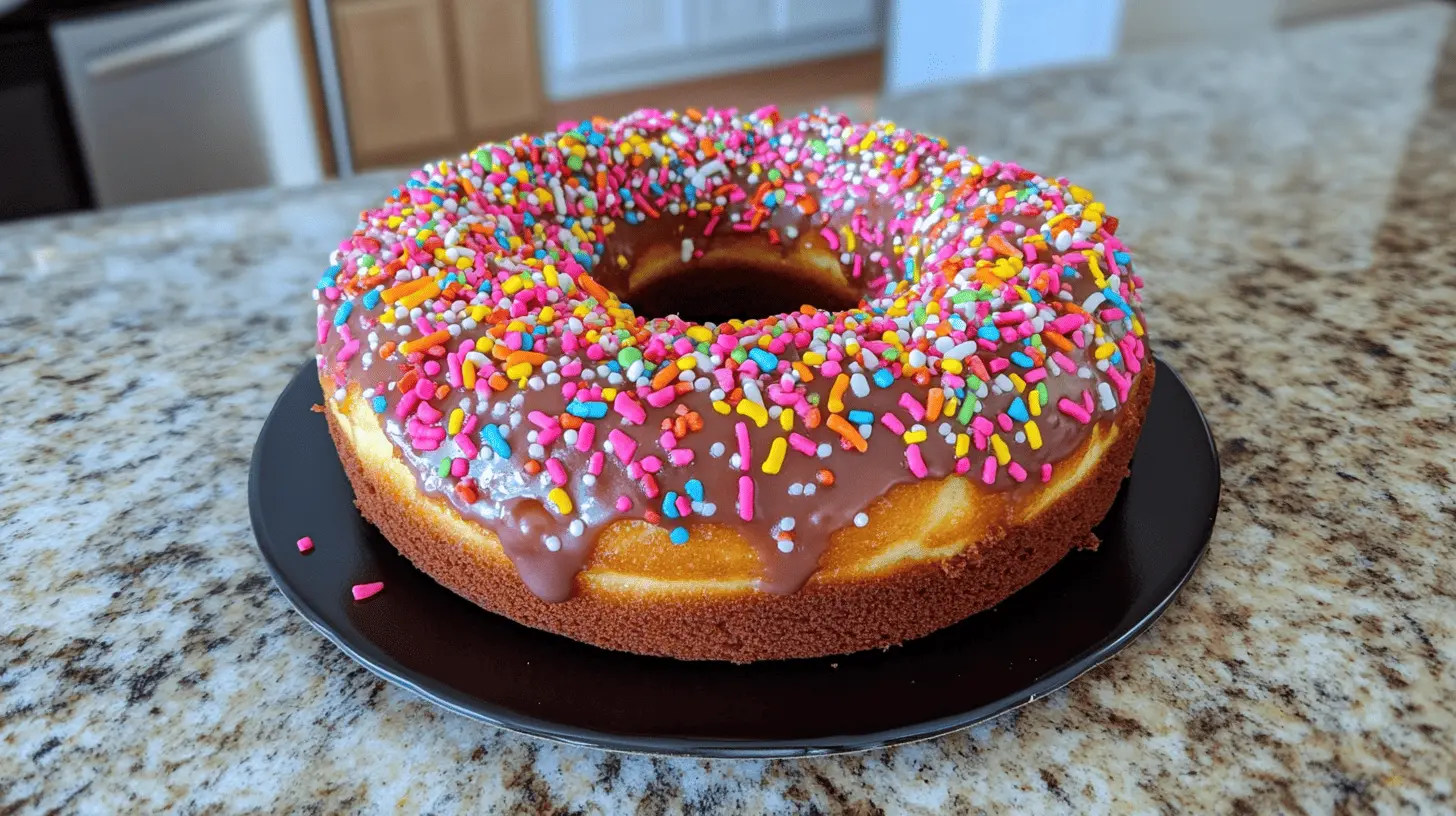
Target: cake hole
{"type": "Point", "coordinates": [739, 293]}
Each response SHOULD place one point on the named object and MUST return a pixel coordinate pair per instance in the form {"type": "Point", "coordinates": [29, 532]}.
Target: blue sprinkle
{"type": "Point", "coordinates": [669, 504]}
{"type": "Point", "coordinates": [587, 410]}
{"type": "Point", "coordinates": [371, 299]}
{"type": "Point", "coordinates": [883, 377]}
{"type": "Point", "coordinates": [861, 417]}
{"type": "Point", "coordinates": [1121, 257]}
{"type": "Point", "coordinates": [1021, 359]}
{"type": "Point", "coordinates": [379, 404]}
{"type": "Point", "coordinates": [528, 219]}
{"type": "Point", "coordinates": [1018, 411]}
{"type": "Point", "coordinates": [679, 535]}
{"type": "Point", "coordinates": [765, 361]}
{"type": "Point", "coordinates": [342, 315]}
{"type": "Point", "coordinates": [694, 489]}
{"type": "Point", "coordinates": [988, 333]}
{"type": "Point", "coordinates": [497, 442]}
{"type": "Point", "coordinates": [598, 139]}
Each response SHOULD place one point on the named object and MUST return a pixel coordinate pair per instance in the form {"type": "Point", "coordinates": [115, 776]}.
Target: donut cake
{"type": "Point", "coordinates": [714, 385]}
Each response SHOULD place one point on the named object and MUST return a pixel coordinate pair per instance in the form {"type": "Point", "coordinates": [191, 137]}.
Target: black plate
{"type": "Point", "coordinates": [425, 638]}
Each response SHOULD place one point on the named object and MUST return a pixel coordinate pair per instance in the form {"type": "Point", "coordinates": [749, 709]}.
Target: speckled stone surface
{"type": "Point", "coordinates": [1291, 198]}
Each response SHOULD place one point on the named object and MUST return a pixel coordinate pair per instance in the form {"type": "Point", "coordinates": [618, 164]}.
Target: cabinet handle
{"type": "Point", "coordinates": [171, 45]}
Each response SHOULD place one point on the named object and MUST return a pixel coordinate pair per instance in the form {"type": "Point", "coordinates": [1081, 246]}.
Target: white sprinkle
{"type": "Point", "coordinates": [796, 489]}
{"type": "Point", "coordinates": [716, 450]}
{"type": "Point", "coordinates": [687, 250]}
{"type": "Point", "coordinates": [786, 546]}
{"type": "Point", "coordinates": [576, 527]}
{"type": "Point", "coordinates": [825, 450]}
{"type": "Point", "coordinates": [553, 543]}
{"type": "Point", "coordinates": [787, 524]}
{"type": "Point", "coordinates": [1104, 392]}
{"type": "Point", "coordinates": [860, 519]}
{"type": "Point", "coordinates": [810, 489]}
{"type": "Point", "coordinates": [859, 385]}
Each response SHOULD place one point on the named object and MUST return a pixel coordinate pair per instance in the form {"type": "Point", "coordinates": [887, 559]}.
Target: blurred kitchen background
{"type": "Point", "coordinates": [105, 103]}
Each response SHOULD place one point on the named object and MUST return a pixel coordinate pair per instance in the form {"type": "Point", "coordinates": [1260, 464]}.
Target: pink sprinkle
{"type": "Point", "coordinates": [680, 457]}
{"type": "Point", "coordinates": [649, 486]}
{"type": "Point", "coordinates": [963, 465]}
{"type": "Point", "coordinates": [1074, 410]}
{"type": "Point", "coordinates": [661, 397]}
{"type": "Point", "coordinates": [741, 431]}
{"type": "Point", "coordinates": [406, 405]}
{"type": "Point", "coordinates": [541, 420]}
{"type": "Point", "coordinates": [623, 504]}
{"type": "Point", "coordinates": [1064, 361]}
{"type": "Point", "coordinates": [830, 238]}
{"type": "Point", "coordinates": [428, 413]}
{"type": "Point", "coordinates": [467, 445]}
{"type": "Point", "coordinates": [595, 463]}
{"type": "Point", "coordinates": [629, 409]}
{"type": "Point", "coordinates": [556, 471]}
{"type": "Point", "coordinates": [459, 468]}
{"type": "Point", "coordinates": [745, 498]}
{"type": "Point", "coordinates": [364, 592]}
{"type": "Point", "coordinates": [988, 470]}
{"type": "Point", "coordinates": [305, 544]}
{"type": "Point", "coordinates": [323, 330]}
{"type": "Point", "coordinates": [424, 389]}
{"type": "Point", "coordinates": [893, 423]}
{"type": "Point", "coordinates": [915, 461]}
{"type": "Point", "coordinates": [802, 444]}
{"type": "Point", "coordinates": [1035, 375]}
{"type": "Point", "coordinates": [1017, 471]}
{"type": "Point", "coordinates": [585, 435]}
{"type": "Point", "coordinates": [471, 421]}
{"type": "Point", "coordinates": [912, 405]}
{"type": "Point", "coordinates": [667, 441]}
{"type": "Point", "coordinates": [1004, 420]}
{"type": "Point", "coordinates": [348, 351]}
{"type": "Point", "coordinates": [651, 464]}
{"type": "Point", "coordinates": [684, 506]}
{"type": "Point", "coordinates": [1046, 472]}
{"type": "Point", "coordinates": [456, 377]}
{"type": "Point", "coordinates": [622, 445]}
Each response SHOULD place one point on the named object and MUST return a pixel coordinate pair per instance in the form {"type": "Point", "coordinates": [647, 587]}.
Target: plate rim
{"type": "Point", "coordinates": [390, 670]}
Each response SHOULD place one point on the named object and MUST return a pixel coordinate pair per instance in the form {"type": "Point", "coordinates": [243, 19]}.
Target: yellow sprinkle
{"type": "Point", "coordinates": [686, 362]}
{"type": "Point", "coordinates": [387, 318]}
{"type": "Point", "coordinates": [457, 418]}
{"type": "Point", "coordinates": [1033, 435]}
{"type": "Point", "coordinates": [786, 420]}
{"type": "Point", "coordinates": [1002, 454]}
{"type": "Point", "coordinates": [478, 313]}
{"type": "Point", "coordinates": [722, 407]}
{"type": "Point", "coordinates": [464, 263]}
{"type": "Point", "coordinates": [394, 221]}
{"type": "Point", "coordinates": [548, 314]}
{"type": "Point", "coordinates": [952, 366]}
{"type": "Point", "coordinates": [559, 498]}
{"type": "Point", "coordinates": [699, 334]}
{"type": "Point", "coordinates": [1081, 195]}
{"type": "Point", "coordinates": [519, 371]}
{"type": "Point", "coordinates": [609, 394]}
{"type": "Point", "coordinates": [951, 404]}
{"type": "Point", "coordinates": [776, 453]}
{"type": "Point", "coordinates": [512, 285]}
{"type": "Point", "coordinates": [1033, 402]}
{"type": "Point", "coordinates": [848, 238]}
{"type": "Point", "coordinates": [912, 437]}
{"type": "Point", "coordinates": [963, 445]}
{"type": "Point", "coordinates": [1104, 351]}
{"type": "Point", "coordinates": [753, 411]}
{"type": "Point", "coordinates": [1018, 382]}
{"type": "Point", "coordinates": [467, 374]}
{"type": "Point", "coordinates": [549, 273]}
{"type": "Point", "coordinates": [813, 358]}
{"type": "Point", "coordinates": [1137, 327]}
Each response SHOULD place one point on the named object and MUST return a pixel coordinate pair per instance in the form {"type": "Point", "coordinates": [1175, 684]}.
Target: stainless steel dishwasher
{"type": "Point", "coordinates": [189, 97]}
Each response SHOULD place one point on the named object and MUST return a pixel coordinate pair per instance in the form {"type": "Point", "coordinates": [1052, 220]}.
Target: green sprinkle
{"type": "Point", "coordinates": [739, 355]}
{"type": "Point", "coordinates": [968, 408]}
{"type": "Point", "coordinates": [444, 469]}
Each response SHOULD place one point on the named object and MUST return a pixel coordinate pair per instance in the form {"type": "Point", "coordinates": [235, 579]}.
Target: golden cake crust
{"type": "Point", "coordinates": [854, 602]}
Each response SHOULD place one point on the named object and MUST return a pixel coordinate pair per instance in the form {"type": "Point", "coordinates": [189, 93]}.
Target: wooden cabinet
{"type": "Point", "coordinates": [424, 79]}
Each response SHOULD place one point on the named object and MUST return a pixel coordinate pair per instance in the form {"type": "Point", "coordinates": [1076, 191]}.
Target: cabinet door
{"type": "Point", "coordinates": [730, 22]}
{"type": "Point", "coordinates": [393, 65]}
{"type": "Point", "coordinates": [495, 41]}
{"type": "Point", "coordinates": [803, 16]}
{"type": "Point", "coordinates": [598, 32]}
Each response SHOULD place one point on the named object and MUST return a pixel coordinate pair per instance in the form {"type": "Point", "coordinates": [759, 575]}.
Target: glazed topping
{"type": "Point", "coordinates": [480, 312]}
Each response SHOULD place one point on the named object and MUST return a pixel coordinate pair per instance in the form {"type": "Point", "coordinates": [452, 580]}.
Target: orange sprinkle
{"type": "Point", "coordinates": [933, 402]}
{"type": "Point", "coordinates": [842, 426]}
{"type": "Point", "coordinates": [694, 420]}
{"type": "Point", "coordinates": [666, 374]}
{"type": "Point", "coordinates": [998, 242]}
{"type": "Point", "coordinates": [571, 422]}
{"type": "Point", "coordinates": [387, 350]}
{"type": "Point", "coordinates": [515, 358]}
{"type": "Point", "coordinates": [421, 343]}
{"type": "Point", "coordinates": [442, 391]}
{"type": "Point", "coordinates": [824, 477]}
{"type": "Point", "coordinates": [813, 418]}
{"type": "Point", "coordinates": [805, 374]}
{"type": "Point", "coordinates": [532, 467]}
{"type": "Point", "coordinates": [398, 291]}
{"type": "Point", "coordinates": [1056, 339]}
{"type": "Point", "coordinates": [467, 491]}
{"type": "Point", "coordinates": [498, 382]}
{"type": "Point", "coordinates": [408, 381]}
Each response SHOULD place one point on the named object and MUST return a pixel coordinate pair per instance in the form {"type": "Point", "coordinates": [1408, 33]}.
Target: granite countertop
{"type": "Point", "coordinates": [1291, 200]}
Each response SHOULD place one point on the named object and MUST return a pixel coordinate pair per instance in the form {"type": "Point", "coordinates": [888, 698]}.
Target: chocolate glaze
{"type": "Point", "coordinates": [511, 501]}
